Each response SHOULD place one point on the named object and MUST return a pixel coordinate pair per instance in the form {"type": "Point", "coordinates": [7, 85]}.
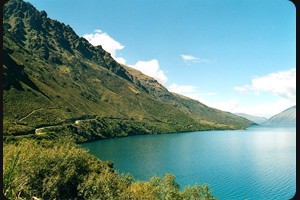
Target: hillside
{"type": "Point", "coordinates": [256, 119]}
{"type": "Point", "coordinates": [56, 82]}
{"type": "Point", "coordinates": [284, 118]}
{"type": "Point", "coordinates": [194, 108]}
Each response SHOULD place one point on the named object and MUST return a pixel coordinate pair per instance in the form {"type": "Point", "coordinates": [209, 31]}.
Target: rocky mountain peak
{"type": "Point", "coordinates": [47, 38]}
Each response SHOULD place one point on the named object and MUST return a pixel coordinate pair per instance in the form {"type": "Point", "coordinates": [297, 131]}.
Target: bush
{"type": "Point", "coordinates": [63, 170]}
{"type": "Point", "coordinates": [46, 170]}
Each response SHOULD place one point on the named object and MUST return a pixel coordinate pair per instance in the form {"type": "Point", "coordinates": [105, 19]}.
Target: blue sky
{"type": "Point", "coordinates": [234, 55]}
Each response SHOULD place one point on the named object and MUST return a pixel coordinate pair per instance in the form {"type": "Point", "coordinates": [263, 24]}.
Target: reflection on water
{"type": "Point", "coordinates": [258, 163]}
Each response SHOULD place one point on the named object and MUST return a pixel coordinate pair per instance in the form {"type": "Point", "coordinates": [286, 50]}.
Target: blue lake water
{"type": "Point", "coordinates": [257, 163]}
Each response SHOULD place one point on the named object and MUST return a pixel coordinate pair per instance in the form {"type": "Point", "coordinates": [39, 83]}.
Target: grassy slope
{"type": "Point", "coordinates": [53, 77]}
{"type": "Point", "coordinates": [199, 111]}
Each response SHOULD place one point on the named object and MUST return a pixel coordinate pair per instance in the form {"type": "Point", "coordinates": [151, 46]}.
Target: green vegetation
{"type": "Point", "coordinates": [57, 86]}
{"type": "Point", "coordinates": [54, 77]}
{"type": "Point", "coordinates": [63, 170]}
{"type": "Point", "coordinates": [96, 128]}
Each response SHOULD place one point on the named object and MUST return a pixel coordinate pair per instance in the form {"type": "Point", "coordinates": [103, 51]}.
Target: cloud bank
{"type": "Point", "coordinates": [261, 109]}
{"type": "Point", "coordinates": [281, 83]}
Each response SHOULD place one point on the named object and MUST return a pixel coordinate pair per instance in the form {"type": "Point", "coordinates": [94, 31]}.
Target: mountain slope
{"type": "Point", "coordinates": [56, 81]}
{"type": "Point", "coordinates": [256, 119]}
{"type": "Point", "coordinates": [192, 107]}
{"type": "Point", "coordinates": [284, 118]}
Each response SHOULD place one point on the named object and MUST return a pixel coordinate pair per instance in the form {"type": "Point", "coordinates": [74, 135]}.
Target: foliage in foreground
{"type": "Point", "coordinates": [63, 170]}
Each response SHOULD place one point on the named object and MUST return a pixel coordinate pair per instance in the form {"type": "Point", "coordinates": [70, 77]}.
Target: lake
{"type": "Point", "coordinates": [257, 163]}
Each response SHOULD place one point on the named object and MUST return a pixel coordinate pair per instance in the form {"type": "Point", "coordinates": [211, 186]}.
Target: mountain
{"type": "Point", "coordinates": [55, 82]}
{"type": "Point", "coordinates": [197, 110]}
{"type": "Point", "coordinates": [284, 118]}
{"type": "Point", "coordinates": [256, 119]}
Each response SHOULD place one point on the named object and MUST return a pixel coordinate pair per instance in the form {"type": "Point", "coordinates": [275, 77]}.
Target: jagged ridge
{"type": "Point", "coordinates": [54, 77]}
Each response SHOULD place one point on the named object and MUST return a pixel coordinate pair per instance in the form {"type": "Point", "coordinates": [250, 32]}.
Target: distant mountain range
{"type": "Point", "coordinates": [256, 119]}
{"type": "Point", "coordinates": [284, 118]}
{"type": "Point", "coordinates": [56, 82]}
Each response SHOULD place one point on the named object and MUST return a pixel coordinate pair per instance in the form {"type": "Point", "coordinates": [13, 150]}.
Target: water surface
{"type": "Point", "coordinates": [258, 163]}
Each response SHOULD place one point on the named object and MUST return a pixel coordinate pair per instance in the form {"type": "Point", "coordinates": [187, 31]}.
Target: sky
{"type": "Point", "coordinates": [234, 55]}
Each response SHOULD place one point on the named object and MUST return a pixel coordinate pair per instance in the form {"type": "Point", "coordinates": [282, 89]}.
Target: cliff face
{"type": "Point", "coordinates": [54, 77]}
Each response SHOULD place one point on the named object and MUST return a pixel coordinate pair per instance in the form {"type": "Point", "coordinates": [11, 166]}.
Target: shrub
{"type": "Point", "coordinates": [62, 170]}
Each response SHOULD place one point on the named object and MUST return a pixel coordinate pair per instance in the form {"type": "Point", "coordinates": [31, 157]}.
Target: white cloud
{"type": "Point", "coordinates": [182, 89]}
{"type": "Point", "coordinates": [267, 109]}
{"type": "Point", "coordinates": [230, 105]}
{"type": "Point", "coordinates": [151, 68]}
{"type": "Point", "coordinates": [193, 59]}
{"type": "Point", "coordinates": [233, 105]}
{"type": "Point", "coordinates": [260, 109]}
{"type": "Point", "coordinates": [190, 91]}
{"type": "Point", "coordinates": [120, 60]}
{"type": "Point", "coordinates": [281, 83]}
{"type": "Point", "coordinates": [242, 89]}
{"type": "Point", "coordinates": [108, 43]}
